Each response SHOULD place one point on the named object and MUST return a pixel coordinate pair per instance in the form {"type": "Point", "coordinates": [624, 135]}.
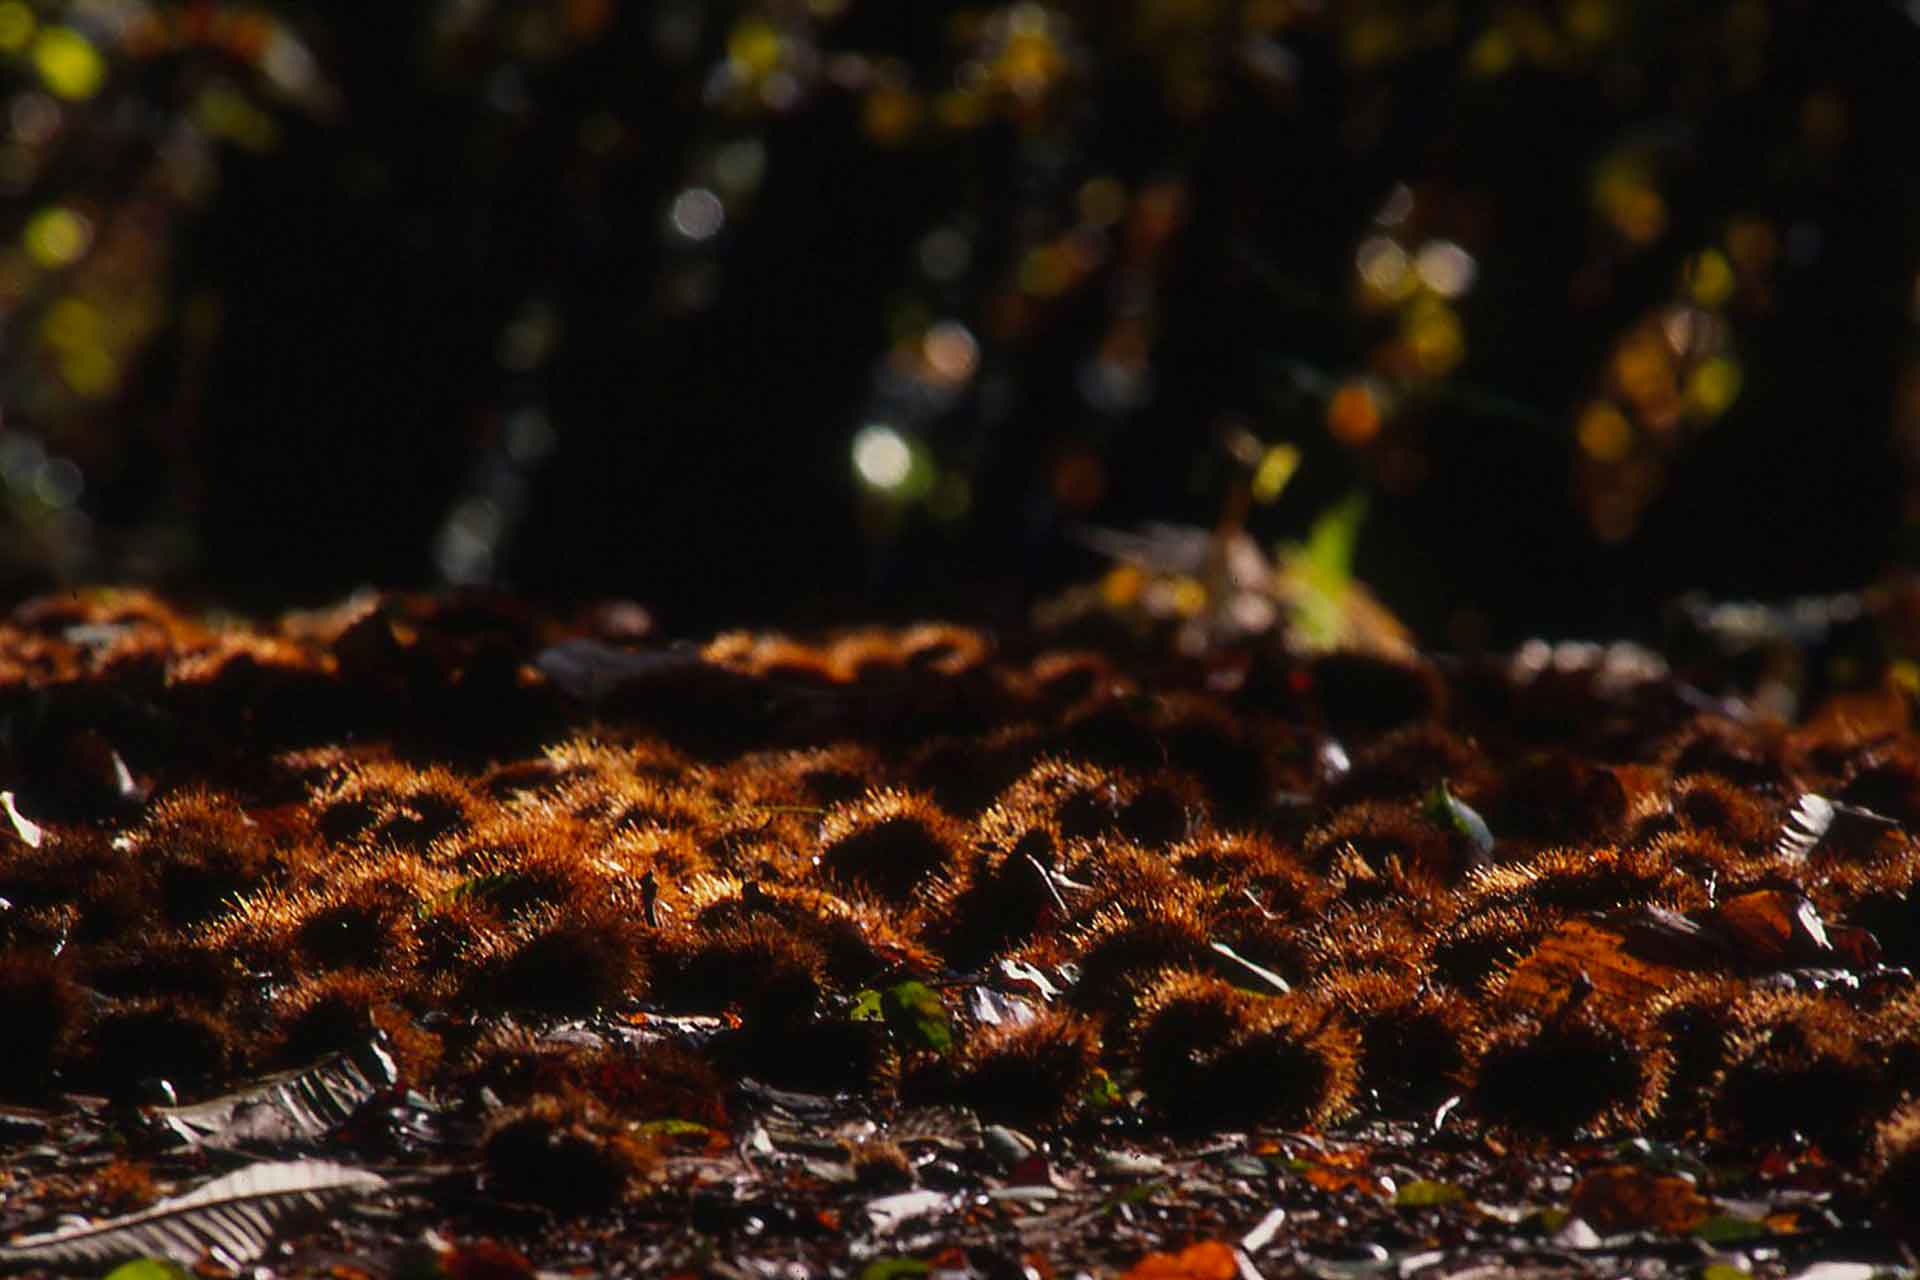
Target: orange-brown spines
{"type": "Point", "coordinates": [202, 852]}
{"type": "Point", "coordinates": [894, 845]}
{"type": "Point", "coordinates": [1413, 1037]}
{"type": "Point", "coordinates": [192, 1049]}
{"type": "Point", "coordinates": [1030, 1072]}
{"type": "Point", "coordinates": [1799, 1062]}
{"type": "Point", "coordinates": [1209, 1053]}
{"type": "Point", "coordinates": [756, 967]}
{"type": "Point", "coordinates": [1582, 1067]}
{"type": "Point", "coordinates": [566, 1152]}
{"type": "Point", "coordinates": [565, 961]}
{"type": "Point", "coordinates": [1894, 1172]}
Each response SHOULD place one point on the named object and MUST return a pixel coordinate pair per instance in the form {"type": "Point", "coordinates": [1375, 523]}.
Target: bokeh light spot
{"type": "Point", "coordinates": [697, 214]}
{"type": "Point", "coordinates": [16, 26]}
{"type": "Point", "coordinates": [68, 63]}
{"type": "Point", "coordinates": [753, 47]}
{"type": "Point", "coordinates": [1604, 433]}
{"type": "Point", "coordinates": [950, 352]}
{"type": "Point", "coordinates": [58, 483]}
{"type": "Point", "coordinates": [1445, 268]}
{"type": "Point", "coordinates": [1277, 467]}
{"type": "Point", "coordinates": [881, 457]}
{"type": "Point", "coordinates": [1713, 387]}
{"type": "Point", "coordinates": [57, 237]}
{"type": "Point", "coordinates": [1435, 337]}
{"type": "Point", "coordinates": [1710, 278]}
{"type": "Point", "coordinates": [1382, 265]}
{"type": "Point", "coordinates": [1353, 414]}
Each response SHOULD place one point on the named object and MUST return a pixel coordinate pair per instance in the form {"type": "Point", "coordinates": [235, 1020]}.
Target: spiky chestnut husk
{"type": "Point", "coordinates": [642, 1080]}
{"type": "Point", "coordinates": [1413, 1037]}
{"type": "Point", "coordinates": [1060, 680]}
{"type": "Point", "coordinates": [1212, 1055]}
{"type": "Point", "coordinates": [525, 866]}
{"type": "Point", "coordinates": [1407, 763]}
{"type": "Point", "coordinates": [880, 1166]}
{"type": "Point", "coordinates": [175, 966]}
{"type": "Point", "coordinates": [765, 971]}
{"type": "Point", "coordinates": [649, 804]}
{"type": "Point", "coordinates": [1379, 938]}
{"type": "Point", "coordinates": [1893, 1177]}
{"type": "Point", "coordinates": [966, 774]}
{"type": "Point", "coordinates": [1718, 806]}
{"type": "Point", "coordinates": [1876, 896]}
{"type": "Point", "coordinates": [1379, 830]}
{"type": "Point", "coordinates": [192, 1049]}
{"type": "Point", "coordinates": [893, 845]}
{"type": "Point", "coordinates": [1004, 898]}
{"type": "Point", "coordinates": [1242, 863]}
{"type": "Point", "coordinates": [1029, 1073]}
{"type": "Point", "coordinates": [203, 852]}
{"type": "Point", "coordinates": [816, 776]}
{"type": "Point", "coordinates": [364, 919]}
{"type": "Point", "coordinates": [1798, 1062]}
{"type": "Point", "coordinates": [42, 1008]}
{"type": "Point", "coordinates": [1709, 744]}
{"type": "Point", "coordinates": [1184, 733]}
{"type": "Point", "coordinates": [1123, 942]}
{"type": "Point", "coordinates": [571, 961]}
{"type": "Point", "coordinates": [1584, 880]}
{"type": "Point", "coordinates": [1695, 1018]}
{"type": "Point", "coordinates": [393, 804]}
{"type": "Point", "coordinates": [1701, 857]}
{"type": "Point", "coordinates": [563, 1151]}
{"type": "Point", "coordinates": [1888, 782]}
{"type": "Point", "coordinates": [1071, 798]}
{"type": "Point", "coordinates": [325, 1014]}
{"type": "Point", "coordinates": [1581, 1068]}
{"type": "Point", "coordinates": [859, 941]}
{"type": "Point", "coordinates": [1557, 797]}
{"type": "Point", "coordinates": [1474, 948]}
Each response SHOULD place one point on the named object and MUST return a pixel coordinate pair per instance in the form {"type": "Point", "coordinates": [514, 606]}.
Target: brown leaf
{"type": "Point", "coordinates": [1624, 1198]}
{"type": "Point", "coordinates": [1583, 952]}
{"type": "Point", "coordinates": [1772, 928]}
{"type": "Point", "coordinates": [1208, 1260]}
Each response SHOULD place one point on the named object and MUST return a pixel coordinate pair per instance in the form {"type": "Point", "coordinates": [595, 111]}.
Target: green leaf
{"type": "Point", "coordinates": [915, 1013]}
{"type": "Point", "coordinates": [1101, 1091]}
{"type": "Point", "coordinates": [1724, 1228]}
{"type": "Point", "coordinates": [150, 1269]}
{"type": "Point", "coordinates": [1721, 1271]}
{"type": "Point", "coordinates": [894, 1268]}
{"type": "Point", "coordinates": [866, 1007]}
{"type": "Point", "coordinates": [1445, 809]}
{"type": "Point", "coordinates": [674, 1128]}
{"type": "Point", "coordinates": [1328, 555]}
{"type": "Point", "coordinates": [1323, 570]}
{"type": "Point", "coordinates": [1422, 1193]}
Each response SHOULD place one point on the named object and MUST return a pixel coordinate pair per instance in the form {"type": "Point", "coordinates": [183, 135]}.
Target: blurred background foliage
{"type": "Point", "coordinates": [768, 310]}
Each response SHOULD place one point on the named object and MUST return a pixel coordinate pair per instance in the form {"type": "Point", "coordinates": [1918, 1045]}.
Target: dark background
{"type": "Point", "coordinates": [319, 371]}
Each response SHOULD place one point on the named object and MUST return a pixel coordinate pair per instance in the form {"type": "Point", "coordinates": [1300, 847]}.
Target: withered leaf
{"type": "Point", "coordinates": [1583, 952]}
{"type": "Point", "coordinates": [1625, 1198]}
{"type": "Point", "coordinates": [1772, 928]}
{"type": "Point", "coordinates": [1207, 1260]}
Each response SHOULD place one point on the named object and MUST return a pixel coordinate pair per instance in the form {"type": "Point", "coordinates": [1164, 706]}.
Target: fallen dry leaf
{"type": "Point", "coordinates": [1208, 1260]}
{"type": "Point", "coordinates": [1624, 1198]}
